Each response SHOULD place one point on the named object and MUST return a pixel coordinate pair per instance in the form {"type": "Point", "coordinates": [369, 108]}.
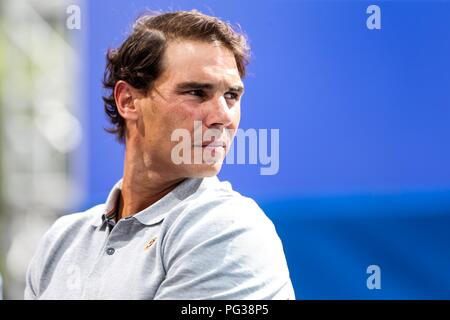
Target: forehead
{"type": "Point", "coordinates": [187, 60]}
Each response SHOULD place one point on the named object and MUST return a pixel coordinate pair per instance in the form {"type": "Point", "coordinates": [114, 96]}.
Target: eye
{"type": "Point", "coordinates": [196, 93]}
{"type": "Point", "coordinates": [231, 96]}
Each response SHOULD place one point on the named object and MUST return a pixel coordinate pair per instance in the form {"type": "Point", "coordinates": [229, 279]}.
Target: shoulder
{"type": "Point", "coordinates": [64, 231]}
{"type": "Point", "coordinates": [75, 222]}
{"type": "Point", "coordinates": [220, 221]}
{"type": "Point", "coordinates": [224, 246]}
{"type": "Point", "coordinates": [218, 208]}
{"type": "Point", "coordinates": [53, 244]}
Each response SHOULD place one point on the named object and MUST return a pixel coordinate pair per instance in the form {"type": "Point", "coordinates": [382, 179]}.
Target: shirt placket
{"type": "Point", "coordinates": [91, 288]}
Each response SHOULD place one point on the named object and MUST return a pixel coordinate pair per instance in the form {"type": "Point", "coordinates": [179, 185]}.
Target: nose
{"type": "Point", "coordinates": [219, 113]}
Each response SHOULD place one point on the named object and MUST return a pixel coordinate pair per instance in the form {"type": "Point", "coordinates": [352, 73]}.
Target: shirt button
{"type": "Point", "coordinates": [110, 251]}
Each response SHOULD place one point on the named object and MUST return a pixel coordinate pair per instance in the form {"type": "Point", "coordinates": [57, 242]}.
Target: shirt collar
{"type": "Point", "coordinates": [156, 212]}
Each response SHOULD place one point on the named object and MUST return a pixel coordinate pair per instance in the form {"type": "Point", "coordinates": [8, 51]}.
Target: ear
{"type": "Point", "coordinates": [125, 96]}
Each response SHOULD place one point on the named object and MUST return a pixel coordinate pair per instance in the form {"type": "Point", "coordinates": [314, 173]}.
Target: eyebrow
{"type": "Point", "coordinates": [206, 86]}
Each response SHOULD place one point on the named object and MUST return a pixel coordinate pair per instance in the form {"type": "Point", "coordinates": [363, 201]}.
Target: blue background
{"type": "Point", "coordinates": [364, 119]}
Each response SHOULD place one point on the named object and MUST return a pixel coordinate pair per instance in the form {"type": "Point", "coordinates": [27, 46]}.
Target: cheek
{"type": "Point", "coordinates": [236, 116]}
{"type": "Point", "coordinates": [179, 116]}
{"type": "Point", "coordinates": [185, 113]}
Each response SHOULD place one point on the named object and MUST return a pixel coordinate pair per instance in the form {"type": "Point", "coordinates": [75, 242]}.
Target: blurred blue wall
{"type": "Point", "coordinates": [364, 119]}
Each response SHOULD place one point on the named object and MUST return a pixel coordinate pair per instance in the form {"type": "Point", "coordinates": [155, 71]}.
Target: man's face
{"type": "Point", "coordinates": [200, 84]}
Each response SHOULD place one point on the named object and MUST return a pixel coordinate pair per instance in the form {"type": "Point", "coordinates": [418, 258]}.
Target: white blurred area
{"type": "Point", "coordinates": [40, 129]}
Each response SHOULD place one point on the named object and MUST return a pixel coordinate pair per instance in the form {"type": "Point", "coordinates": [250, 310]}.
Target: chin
{"type": "Point", "coordinates": [205, 170]}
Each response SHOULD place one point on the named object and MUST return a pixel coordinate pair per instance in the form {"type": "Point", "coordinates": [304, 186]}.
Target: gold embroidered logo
{"type": "Point", "coordinates": [150, 243]}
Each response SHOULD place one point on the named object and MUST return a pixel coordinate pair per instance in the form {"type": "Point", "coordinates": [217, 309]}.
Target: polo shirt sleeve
{"type": "Point", "coordinates": [224, 250]}
{"type": "Point", "coordinates": [38, 264]}
{"type": "Point", "coordinates": [35, 269]}
{"type": "Point", "coordinates": [30, 291]}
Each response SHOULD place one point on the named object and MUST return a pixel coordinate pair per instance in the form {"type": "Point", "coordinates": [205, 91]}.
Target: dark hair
{"type": "Point", "coordinates": [138, 61]}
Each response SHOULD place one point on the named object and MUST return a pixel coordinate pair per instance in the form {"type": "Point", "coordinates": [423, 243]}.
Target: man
{"type": "Point", "coordinates": [169, 229]}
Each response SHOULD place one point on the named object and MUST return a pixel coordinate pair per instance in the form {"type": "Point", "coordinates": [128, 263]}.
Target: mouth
{"type": "Point", "coordinates": [212, 144]}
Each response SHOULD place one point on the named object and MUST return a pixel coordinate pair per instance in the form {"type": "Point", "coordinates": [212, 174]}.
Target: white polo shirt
{"type": "Point", "coordinates": [201, 241]}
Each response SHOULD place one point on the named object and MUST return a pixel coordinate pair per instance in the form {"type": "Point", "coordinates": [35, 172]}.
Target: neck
{"type": "Point", "coordinates": [142, 184]}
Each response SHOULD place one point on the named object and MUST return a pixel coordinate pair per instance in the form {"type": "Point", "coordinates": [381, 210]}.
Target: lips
{"type": "Point", "coordinates": [214, 144]}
